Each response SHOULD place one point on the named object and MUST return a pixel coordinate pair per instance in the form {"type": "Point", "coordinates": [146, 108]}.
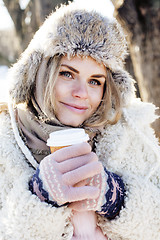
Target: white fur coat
{"type": "Point", "coordinates": [128, 148]}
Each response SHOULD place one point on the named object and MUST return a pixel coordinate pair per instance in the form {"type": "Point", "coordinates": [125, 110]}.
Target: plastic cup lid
{"type": "Point", "coordinates": [67, 137]}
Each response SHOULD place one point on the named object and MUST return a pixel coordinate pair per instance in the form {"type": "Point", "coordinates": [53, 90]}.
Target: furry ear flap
{"type": "Point", "coordinates": [125, 84]}
{"type": "Point", "coordinates": [22, 76]}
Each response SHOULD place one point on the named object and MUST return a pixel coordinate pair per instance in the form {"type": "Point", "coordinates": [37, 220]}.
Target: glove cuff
{"type": "Point", "coordinates": [36, 186]}
{"type": "Point", "coordinates": [104, 188]}
{"type": "Point", "coordinates": [114, 196]}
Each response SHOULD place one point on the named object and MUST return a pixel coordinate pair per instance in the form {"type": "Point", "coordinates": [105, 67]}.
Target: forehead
{"type": "Point", "coordinates": [83, 63]}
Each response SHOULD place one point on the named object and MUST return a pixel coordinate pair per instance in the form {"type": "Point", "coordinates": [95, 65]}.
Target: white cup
{"type": "Point", "coordinates": [64, 138]}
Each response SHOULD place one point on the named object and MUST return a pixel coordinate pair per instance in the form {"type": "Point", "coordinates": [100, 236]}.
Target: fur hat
{"type": "Point", "coordinates": [73, 31]}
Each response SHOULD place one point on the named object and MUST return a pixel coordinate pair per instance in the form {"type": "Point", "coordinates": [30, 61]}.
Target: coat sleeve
{"type": "Point", "coordinates": [132, 151]}
{"type": "Point", "coordinates": [22, 214]}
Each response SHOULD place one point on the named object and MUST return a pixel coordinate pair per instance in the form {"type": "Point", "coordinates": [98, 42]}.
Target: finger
{"type": "Point", "coordinates": [82, 193]}
{"type": "Point", "coordinates": [71, 152]}
{"type": "Point", "coordinates": [79, 206]}
{"type": "Point", "coordinates": [84, 172]}
{"type": "Point", "coordinates": [73, 163]}
{"type": "Point", "coordinates": [81, 183]}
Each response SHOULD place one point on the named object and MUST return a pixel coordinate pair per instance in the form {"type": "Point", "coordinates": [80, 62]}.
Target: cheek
{"type": "Point", "coordinates": [96, 98]}
{"type": "Point", "coordinates": [57, 96]}
{"type": "Point", "coordinates": [62, 88]}
{"type": "Point", "coordinates": [58, 91]}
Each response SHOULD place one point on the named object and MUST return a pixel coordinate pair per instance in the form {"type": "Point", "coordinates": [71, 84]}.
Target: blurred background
{"type": "Point", "coordinates": [140, 19]}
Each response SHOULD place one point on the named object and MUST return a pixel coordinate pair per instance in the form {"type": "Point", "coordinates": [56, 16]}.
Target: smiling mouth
{"type": "Point", "coordinates": [75, 108]}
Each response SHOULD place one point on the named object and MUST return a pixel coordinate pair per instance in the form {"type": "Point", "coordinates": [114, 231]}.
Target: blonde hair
{"type": "Point", "coordinates": [109, 110]}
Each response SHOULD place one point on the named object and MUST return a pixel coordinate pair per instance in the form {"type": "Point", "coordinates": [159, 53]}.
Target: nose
{"type": "Point", "coordinates": [80, 90]}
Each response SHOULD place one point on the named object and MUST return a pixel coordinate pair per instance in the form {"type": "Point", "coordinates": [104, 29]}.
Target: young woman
{"type": "Point", "coordinates": [71, 76]}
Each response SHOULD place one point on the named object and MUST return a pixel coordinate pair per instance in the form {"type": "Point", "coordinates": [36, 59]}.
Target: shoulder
{"type": "Point", "coordinates": [142, 113]}
{"type": "Point", "coordinates": [8, 144]}
{"type": "Point", "coordinates": [5, 120]}
{"type": "Point", "coordinates": [3, 107]}
{"type": "Point", "coordinates": [130, 145]}
{"type": "Point", "coordinates": [136, 120]}
{"type": "Point", "coordinates": [7, 139]}
{"type": "Point", "coordinates": [11, 156]}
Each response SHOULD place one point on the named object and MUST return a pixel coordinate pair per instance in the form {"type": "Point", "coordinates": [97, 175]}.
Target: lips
{"type": "Point", "coordinates": [75, 108]}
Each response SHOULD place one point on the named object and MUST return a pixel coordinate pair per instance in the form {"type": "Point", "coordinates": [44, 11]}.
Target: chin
{"type": "Point", "coordinates": [72, 123]}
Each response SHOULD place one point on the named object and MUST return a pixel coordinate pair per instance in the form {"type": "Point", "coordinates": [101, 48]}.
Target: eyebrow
{"type": "Point", "coordinates": [76, 71]}
{"type": "Point", "coordinates": [71, 68]}
{"type": "Point", "coordinates": [99, 76]}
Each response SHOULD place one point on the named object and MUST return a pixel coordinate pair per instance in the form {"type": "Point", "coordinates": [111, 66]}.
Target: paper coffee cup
{"type": "Point", "coordinates": [64, 138]}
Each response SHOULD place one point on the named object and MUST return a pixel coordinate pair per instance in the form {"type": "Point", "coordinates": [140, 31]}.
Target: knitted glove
{"type": "Point", "coordinates": [111, 196]}
{"type": "Point", "coordinates": [114, 197]}
{"type": "Point", "coordinates": [56, 178]}
{"type": "Point", "coordinates": [99, 181]}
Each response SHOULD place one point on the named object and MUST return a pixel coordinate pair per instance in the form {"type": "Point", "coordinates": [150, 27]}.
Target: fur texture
{"type": "Point", "coordinates": [128, 148]}
{"type": "Point", "coordinates": [73, 31]}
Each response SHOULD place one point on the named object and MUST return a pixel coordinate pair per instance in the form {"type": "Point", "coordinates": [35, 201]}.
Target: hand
{"type": "Point", "coordinates": [99, 181]}
{"type": "Point", "coordinates": [111, 197]}
{"type": "Point", "coordinates": [62, 170]}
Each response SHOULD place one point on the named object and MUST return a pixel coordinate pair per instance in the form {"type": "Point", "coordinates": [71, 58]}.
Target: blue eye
{"type": "Point", "coordinates": [94, 82]}
{"type": "Point", "coordinates": [65, 74]}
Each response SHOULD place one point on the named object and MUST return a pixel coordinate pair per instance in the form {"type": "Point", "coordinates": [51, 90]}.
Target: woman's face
{"type": "Point", "coordinates": [78, 89]}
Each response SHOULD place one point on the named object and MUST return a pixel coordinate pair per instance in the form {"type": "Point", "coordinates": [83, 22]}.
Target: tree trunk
{"type": "Point", "coordinates": [141, 20]}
